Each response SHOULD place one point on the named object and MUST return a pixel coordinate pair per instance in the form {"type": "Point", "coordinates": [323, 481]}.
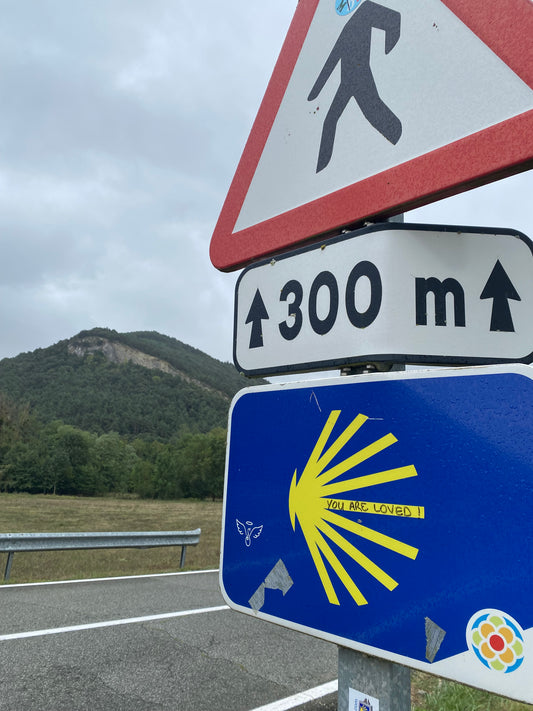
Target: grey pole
{"type": "Point", "coordinates": [9, 563]}
{"type": "Point", "coordinates": [362, 676]}
{"type": "Point", "coordinates": [379, 679]}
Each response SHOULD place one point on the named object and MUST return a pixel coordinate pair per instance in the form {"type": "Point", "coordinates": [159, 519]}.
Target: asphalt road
{"type": "Point", "coordinates": [119, 644]}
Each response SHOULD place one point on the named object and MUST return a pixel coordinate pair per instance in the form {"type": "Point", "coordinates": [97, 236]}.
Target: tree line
{"type": "Point", "coordinates": [59, 458]}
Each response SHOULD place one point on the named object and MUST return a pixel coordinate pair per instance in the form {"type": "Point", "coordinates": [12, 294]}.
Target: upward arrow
{"type": "Point", "coordinates": [256, 315]}
{"type": "Point", "coordinates": [500, 288]}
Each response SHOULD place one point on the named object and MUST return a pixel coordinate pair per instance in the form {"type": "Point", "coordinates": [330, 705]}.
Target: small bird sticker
{"type": "Point", "coordinates": [248, 530]}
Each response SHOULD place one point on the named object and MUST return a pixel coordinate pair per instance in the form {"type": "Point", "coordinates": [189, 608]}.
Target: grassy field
{"type": "Point", "coordinates": [429, 693]}
{"type": "Point", "coordinates": [24, 513]}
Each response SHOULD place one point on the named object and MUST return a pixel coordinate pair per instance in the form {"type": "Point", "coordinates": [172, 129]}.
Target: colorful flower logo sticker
{"type": "Point", "coordinates": [496, 639]}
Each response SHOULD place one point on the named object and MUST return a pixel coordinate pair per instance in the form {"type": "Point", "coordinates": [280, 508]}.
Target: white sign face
{"type": "Point", "coordinates": [419, 113]}
{"type": "Point", "coordinates": [376, 107]}
{"type": "Point", "coordinates": [393, 292]}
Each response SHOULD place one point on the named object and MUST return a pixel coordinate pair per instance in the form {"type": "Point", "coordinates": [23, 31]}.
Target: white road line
{"type": "Point", "coordinates": [110, 623]}
{"type": "Point", "coordinates": [303, 697]}
{"type": "Point", "coordinates": [100, 580]}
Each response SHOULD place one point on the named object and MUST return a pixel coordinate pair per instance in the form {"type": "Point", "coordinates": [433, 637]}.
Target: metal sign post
{"type": "Point", "coordinates": [367, 678]}
{"type": "Point", "coordinates": [386, 681]}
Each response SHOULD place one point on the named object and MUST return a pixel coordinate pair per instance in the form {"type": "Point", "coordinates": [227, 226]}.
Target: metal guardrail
{"type": "Point", "coordinates": [12, 543]}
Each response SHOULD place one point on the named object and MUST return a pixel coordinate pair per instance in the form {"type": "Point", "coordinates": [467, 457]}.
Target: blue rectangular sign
{"type": "Point", "coordinates": [390, 514]}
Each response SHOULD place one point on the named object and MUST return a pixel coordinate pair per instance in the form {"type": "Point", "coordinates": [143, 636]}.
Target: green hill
{"type": "Point", "coordinates": [136, 384]}
{"type": "Point", "coordinates": [120, 413]}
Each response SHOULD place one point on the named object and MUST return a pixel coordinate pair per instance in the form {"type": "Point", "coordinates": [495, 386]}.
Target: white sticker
{"type": "Point", "coordinates": [358, 701]}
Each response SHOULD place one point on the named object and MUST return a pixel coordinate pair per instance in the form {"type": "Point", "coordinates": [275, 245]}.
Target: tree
{"type": "Point", "coordinates": [114, 460]}
{"type": "Point", "coordinates": [16, 424]}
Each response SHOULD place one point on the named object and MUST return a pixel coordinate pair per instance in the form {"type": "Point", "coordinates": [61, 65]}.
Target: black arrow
{"type": "Point", "coordinates": [500, 288]}
{"type": "Point", "coordinates": [256, 315]}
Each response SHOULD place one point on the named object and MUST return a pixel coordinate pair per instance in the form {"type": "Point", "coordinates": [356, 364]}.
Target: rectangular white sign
{"type": "Point", "coordinates": [399, 293]}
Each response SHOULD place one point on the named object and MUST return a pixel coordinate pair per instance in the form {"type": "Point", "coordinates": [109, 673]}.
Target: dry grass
{"type": "Point", "coordinates": [430, 693]}
{"type": "Point", "coordinates": [25, 513]}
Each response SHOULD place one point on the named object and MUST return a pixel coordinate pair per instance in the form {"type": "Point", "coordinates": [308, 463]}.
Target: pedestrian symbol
{"type": "Point", "coordinates": [352, 50]}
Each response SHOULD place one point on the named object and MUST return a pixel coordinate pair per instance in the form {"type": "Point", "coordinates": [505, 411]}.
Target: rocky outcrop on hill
{"type": "Point", "coordinates": [116, 352]}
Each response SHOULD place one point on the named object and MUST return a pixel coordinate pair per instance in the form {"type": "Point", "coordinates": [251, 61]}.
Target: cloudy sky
{"type": "Point", "coordinates": [121, 126]}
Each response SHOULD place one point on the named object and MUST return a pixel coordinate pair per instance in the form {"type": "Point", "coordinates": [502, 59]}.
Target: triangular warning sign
{"type": "Point", "coordinates": [375, 107]}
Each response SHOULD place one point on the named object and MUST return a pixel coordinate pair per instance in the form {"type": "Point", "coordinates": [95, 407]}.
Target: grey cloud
{"type": "Point", "coordinates": [122, 123]}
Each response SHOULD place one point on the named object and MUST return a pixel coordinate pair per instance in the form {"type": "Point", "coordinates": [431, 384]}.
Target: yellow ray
{"type": "Point", "coordinates": [339, 443]}
{"type": "Point", "coordinates": [323, 438]}
{"type": "Point", "coordinates": [363, 454]}
{"type": "Point", "coordinates": [361, 482]}
{"type": "Point", "coordinates": [332, 559]}
{"type": "Point", "coordinates": [359, 557]}
{"type": "Point", "coordinates": [380, 538]}
{"type": "Point", "coordinates": [312, 544]}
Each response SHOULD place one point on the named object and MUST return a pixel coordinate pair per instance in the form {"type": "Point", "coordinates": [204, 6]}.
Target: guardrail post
{"type": "Point", "coordinates": [8, 565]}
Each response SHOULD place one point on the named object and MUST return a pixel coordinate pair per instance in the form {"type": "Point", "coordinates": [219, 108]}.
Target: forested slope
{"type": "Point", "coordinates": [108, 412]}
{"type": "Point", "coordinates": [95, 381]}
